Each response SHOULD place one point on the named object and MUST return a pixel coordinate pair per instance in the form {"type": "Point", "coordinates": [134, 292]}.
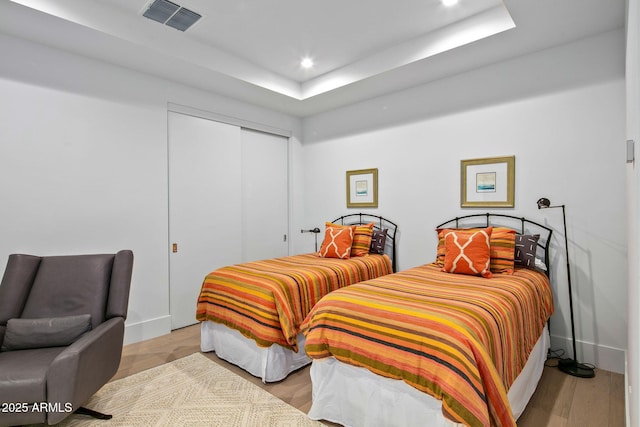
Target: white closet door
{"type": "Point", "coordinates": [205, 200]}
{"type": "Point", "coordinates": [265, 195]}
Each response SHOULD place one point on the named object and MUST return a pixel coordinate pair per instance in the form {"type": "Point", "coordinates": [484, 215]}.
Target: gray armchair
{"type": "Point", "coordinates": [61, 332]}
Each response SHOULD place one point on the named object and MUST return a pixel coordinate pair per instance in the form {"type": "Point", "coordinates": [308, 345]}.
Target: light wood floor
{"type": "Point", "coordinates": [559, 401]}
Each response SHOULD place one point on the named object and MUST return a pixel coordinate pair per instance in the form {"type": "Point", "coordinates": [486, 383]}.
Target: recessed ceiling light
{"type": "Point", "coordinates": [449, 2]}
{"type": "Point", "coordinates": [306, 62]}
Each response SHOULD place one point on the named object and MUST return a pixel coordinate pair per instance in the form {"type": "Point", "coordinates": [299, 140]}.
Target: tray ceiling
{"type": "Point", "coordinates": [251, 49]}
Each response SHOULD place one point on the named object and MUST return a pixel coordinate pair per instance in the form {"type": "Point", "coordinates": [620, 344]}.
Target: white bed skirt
{"type": "Point", "coordinates": [354, 396]}
{"type": "Point", "coordinates": [268, 363]}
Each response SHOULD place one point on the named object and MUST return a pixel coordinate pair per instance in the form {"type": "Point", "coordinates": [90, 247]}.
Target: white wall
{"type": "Point", "coordinates": [560, 112]}
{"type": "Point", "coordinates": [83, 164]}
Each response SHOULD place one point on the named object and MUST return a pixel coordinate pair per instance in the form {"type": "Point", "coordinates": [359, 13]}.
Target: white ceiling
{"type": "Point", "coordinates": [251, 49]}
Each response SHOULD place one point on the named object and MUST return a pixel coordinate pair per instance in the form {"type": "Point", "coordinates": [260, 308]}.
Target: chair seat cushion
{"type": "Point", "coordinates": [22, 334]}
{"type": "Point", "coordinates": [23, 376]}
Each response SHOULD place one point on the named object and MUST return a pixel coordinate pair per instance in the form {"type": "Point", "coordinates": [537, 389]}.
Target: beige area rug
{"type": "Point", "coordinates": [192, 391]}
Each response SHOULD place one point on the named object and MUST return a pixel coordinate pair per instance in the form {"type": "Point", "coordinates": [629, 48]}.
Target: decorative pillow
{"type": "Point", "coordinates": [502, 247]}
{"type": "Point", "coordinates": [362, 240]}
{"type": "Point", "coordinates": [468, 252]}
{"type": "Point", "coordinates": [22, 334]}
{"type": "Point", "coordinates": [378, 242]}
{"type": "Point", "coordinates": [337, 241]}
{"type": "Point", "coordinates": [361, 237]}
{"type": "Point", "coordinates": [525, 253]}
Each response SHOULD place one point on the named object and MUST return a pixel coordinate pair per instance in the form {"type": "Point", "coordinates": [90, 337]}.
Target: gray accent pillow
{"type": "Point", "coordinates": [378, 240]}
{"type": "Point", "coordinates": [525, 255]}
{"type": "Point", "coordinates": [22, 334]}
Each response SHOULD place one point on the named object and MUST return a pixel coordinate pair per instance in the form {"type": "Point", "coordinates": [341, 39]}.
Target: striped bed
{"type": "Point", "coordinates": [461, 339]}
{"type": "Point", "coordinates": [245, 309]}
{"type": "Point", "coordinates": [266, 301]}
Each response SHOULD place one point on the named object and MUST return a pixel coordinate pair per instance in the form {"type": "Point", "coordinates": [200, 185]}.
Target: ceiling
{"type": "Point", "coordinates": [251, 49]}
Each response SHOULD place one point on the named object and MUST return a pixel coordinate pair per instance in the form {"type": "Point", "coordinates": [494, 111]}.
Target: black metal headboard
{"type": "Point", "coordinates": [379, 223]}
{"type": "Point", "coordinates": [520, 224]}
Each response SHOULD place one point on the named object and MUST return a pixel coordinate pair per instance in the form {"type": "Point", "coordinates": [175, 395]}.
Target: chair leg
{"type": "Point", "coordinates": [95, 414]}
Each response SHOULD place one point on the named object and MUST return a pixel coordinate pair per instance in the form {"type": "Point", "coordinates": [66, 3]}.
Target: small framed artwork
{"type": "Point", "coordinates": [362, 188]}
{"type": "Point", "coordinates": [488, 183]}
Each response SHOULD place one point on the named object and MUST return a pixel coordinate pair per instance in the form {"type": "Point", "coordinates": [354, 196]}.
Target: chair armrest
{"type": "Point", "coordinates": [84, 367]}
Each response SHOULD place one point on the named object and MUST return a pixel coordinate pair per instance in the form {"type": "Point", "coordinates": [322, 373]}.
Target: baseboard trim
{"type": "Point", "coordinates": [603, 357]}
{"type": "Point", "coordinates": [147, 329]}
{"type": "Point", "coordinates": [627, 391]}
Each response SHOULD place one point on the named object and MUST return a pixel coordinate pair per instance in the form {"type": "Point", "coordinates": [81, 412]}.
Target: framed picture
{"type": "Point", "coordinates": [362, 188]}
{"type": "Point", "coordinates": [488, 183]}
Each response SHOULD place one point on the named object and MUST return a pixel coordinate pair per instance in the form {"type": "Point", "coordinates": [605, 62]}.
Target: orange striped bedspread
{"type": "Point", "coordinates": [268, 300]}
{"type": "Point", "coordinates": [461, 339]}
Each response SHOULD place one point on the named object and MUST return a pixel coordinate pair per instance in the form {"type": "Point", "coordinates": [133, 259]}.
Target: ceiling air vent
{"type": "Point", "coordinates": [171, 14]}
{"type": "Point", "coordinates": [183, 19]}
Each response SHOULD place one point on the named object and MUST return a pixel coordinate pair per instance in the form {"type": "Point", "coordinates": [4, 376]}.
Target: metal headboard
{"type": "Point", "coordinates": [379, 223]}
{"type": "Point", "coordinates": [520, 224]}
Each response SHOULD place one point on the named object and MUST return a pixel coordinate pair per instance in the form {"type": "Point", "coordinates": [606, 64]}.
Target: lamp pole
{"type": "Point", "coordinates": [569, 366]}
{"type": "Point", "coordinates": [314, 231]}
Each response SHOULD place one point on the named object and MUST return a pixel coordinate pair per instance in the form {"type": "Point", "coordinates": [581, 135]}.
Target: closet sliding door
{"type": "Point", "coordinates": [228, 203]}
{"type": "Point", "coordinates": [205, 201]}
{"type": "Point", "coordinates": [264, 196]}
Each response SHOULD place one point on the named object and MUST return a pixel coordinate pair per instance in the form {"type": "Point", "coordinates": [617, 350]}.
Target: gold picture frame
{"type": "Point", "coordinates": [488, 182]}
{"type": "Point", "coordinates": [362, 188]}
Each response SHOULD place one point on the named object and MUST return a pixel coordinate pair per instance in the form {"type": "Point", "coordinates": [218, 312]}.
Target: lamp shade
{"type": "Point", "coordinates": [543, 203]}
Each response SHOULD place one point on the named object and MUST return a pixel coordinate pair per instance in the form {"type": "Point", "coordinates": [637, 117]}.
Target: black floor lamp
{"type": "Point", "coordinates": [568, 365]}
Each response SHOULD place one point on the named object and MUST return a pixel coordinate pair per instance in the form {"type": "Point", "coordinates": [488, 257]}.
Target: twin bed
{"type": "Point", "coordinates": [433, 348]}
{"type": "Point", "coordinates": [251, 313]}
{"type": "Point", "coordinates": [424, 346]}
